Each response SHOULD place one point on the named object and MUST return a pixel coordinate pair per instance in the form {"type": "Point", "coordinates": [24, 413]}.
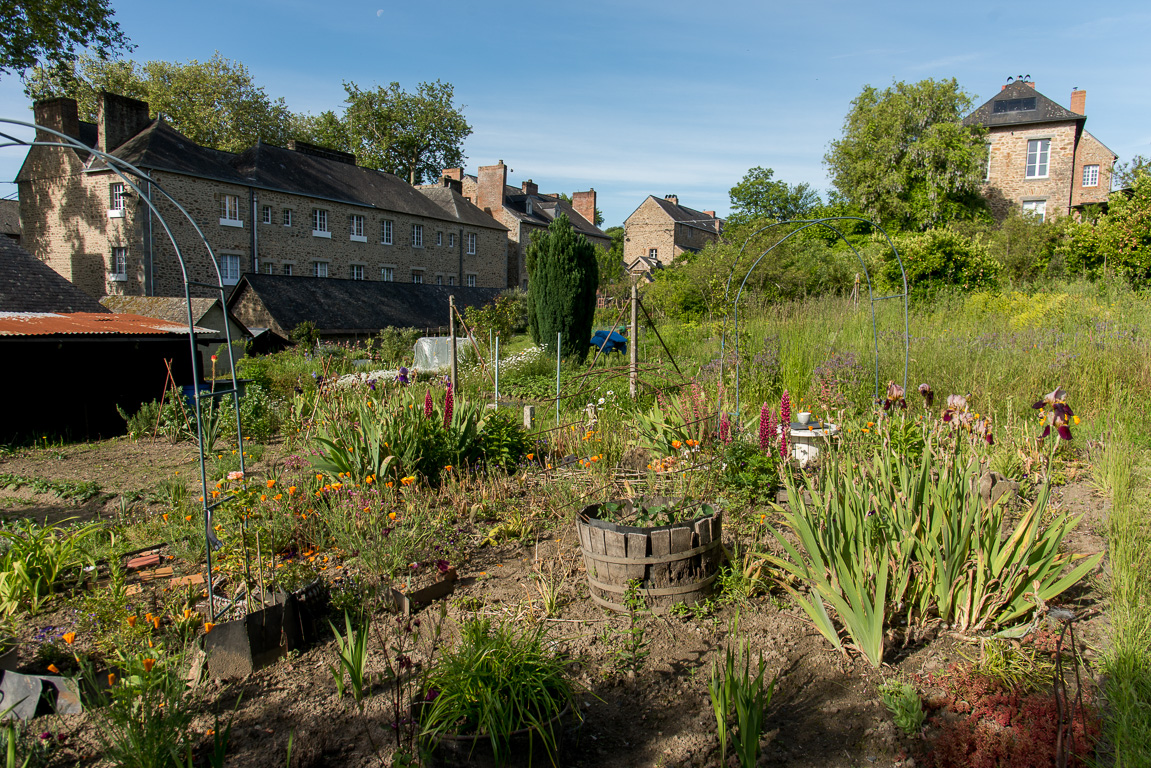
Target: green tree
{"type": "Point", "coordinates": [611, 269]}
{"type": "Point", "coordinates": [759, 196]}
{"type": "Point", "coordinates": [1125, 174]}
{"type": "Point", "coordinates": [937, 258]}
{"type": "Point", "coordinates": [906, 159]}
{"type": "Point", "coordinates": [49, 32]}
{"type": "Point", "coordinates": [413, 135]}
{"type": "Point", "coordinates": [1125, 232]}
{"type": "Point", "coordinates": [325, 130]}
{"type": "Point", "coordinates": [214, 103]}
{"type": "Point", "coordinates": [561, 290]}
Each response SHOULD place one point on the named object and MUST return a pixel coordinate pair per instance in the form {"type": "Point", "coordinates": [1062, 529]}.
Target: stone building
{"type": "Point", "coordinates": [1041, 161]}
{"type": "Point", "coordinates": [659, 230]}
{"type": "Point", "coordinates": [301, 210]}
{"type": "Point", "coordinates": [524, 211]}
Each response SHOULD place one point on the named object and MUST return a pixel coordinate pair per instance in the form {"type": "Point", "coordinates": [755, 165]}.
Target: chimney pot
{"type": "Point", "coordinates": [673, 199]}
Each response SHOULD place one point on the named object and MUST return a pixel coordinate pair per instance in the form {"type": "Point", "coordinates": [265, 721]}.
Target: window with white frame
{"type": "Point", "coordinates": [116, 196]}
{"type": "Point", "coordinates": [1090, 175]}
{"type": "Point", "coordinates": [418, 236]}
{"type": "Point", "coordinates": [320, 223]}
{"type": "Point", "coordinates": [285, 269]}
{"type": "Point", "coordinates": [471, 242]}
{"type": "Point", "coordinates": [230, 268]}
{"type": "Point", "coordinates": [439, 279]}
{"type": "Point", "coordinates": [118, 264]}
{"type": "Point", "coordinates": [418, 276]}
{"type": "Point", "coordinates": [987, 166]}
{"type": "Point", "coordinates": [287, 217]}
{"type": "Point", "coordinates": [268, 268]}
{"type": "Point", "coordinates": [451, 240]}
{"type": "Point", "coordinates": [387, 274]}
{"type": "Point", "coordinates": [439, 237]}
{"type": "Point", "coordinates": [230, 211]}
{"type": "Point", "coordinates": [1036, 210]}
{"type": "Point", "coordinates": [470, 281]}
{"type": "Point", "coordinates": [451, 279]}
{"type": "Point", "coordinates": [386, 235]}
{"type": "Point", "coordinates": [1038, 157]}
{"type": "Point", "coordinates": [356, 225]}
{"type": "Point", "coordinates": [356, 272]}
{"type": "Point", "coordinates": [266, 214]}
{"type": "Point", "coordinates": [653, 253]}
{"type": "Point", "coordinates": [319, 269]}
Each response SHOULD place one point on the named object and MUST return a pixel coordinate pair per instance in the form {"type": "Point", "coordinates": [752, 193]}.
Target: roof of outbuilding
{"type": "Point", "coordinates": [171, 308]}
{"type": "Point", "coordinates": [87, 323]}
{"type": "Point", "coordinates": [356, 306]}
{"type": "Point", "coordinates": [1020, 104]}
{"type": "Point", "coordinates": [29, 285]}
{"type": "Point", "coordinates": [9, 217]}
{"type": "Point", "coordinates": [266, 166]}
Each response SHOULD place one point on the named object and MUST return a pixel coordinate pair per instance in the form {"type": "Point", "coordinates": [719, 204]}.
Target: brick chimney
{"type": "Point", "coordinates": [530, 188]}
{"type": "Point", "coordinates": [453, 173]}
{"type": "Point", "coordinates": [1079, 102]}
{"type": "Point", "coordinates": [584, 205]}
{"type": "Point", "coordinates": [119, 118]}
{"type": "Point", "coordinates": [673, 199]}
{"type": "Point", "coordinates": [490, 194]}
{"type": "Point", "coordinates": [710, 213]}
{"type": "Point", "coordinates": [60, 114]}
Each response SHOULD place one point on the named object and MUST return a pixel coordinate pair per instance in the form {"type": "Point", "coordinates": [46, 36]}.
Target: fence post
{"type": "Point", "coordinates": [633, 349]}
{"type": "Point", "coordinates": [452, 337]}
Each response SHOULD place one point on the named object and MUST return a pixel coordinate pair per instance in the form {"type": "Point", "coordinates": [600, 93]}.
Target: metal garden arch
{"type": "Point", "coordinates": [122, 169]}
{"type": "Point", "coordinates": [873, 299]}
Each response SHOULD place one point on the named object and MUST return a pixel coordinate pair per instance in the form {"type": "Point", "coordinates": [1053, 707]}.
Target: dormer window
{"type": "Point", "coordinates": [528, 205]}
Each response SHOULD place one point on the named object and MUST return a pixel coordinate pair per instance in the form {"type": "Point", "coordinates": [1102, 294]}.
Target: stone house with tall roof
{"type": "Point", "coordinates": [661, 229]}
{"type": "Point", "coordinates": [524, 211]}
{"type": "Point", "coordinates": [1041, 160]}
{"type": "Point", "coordinates": [296, 210]}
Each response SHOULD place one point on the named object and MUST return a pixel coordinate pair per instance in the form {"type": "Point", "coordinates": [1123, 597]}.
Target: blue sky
{"type": "Point", "coordinates": [639, 98]}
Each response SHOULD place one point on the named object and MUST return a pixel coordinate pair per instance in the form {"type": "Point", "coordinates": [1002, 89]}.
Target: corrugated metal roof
{"type": "Point", "coordinates": [86, 323]}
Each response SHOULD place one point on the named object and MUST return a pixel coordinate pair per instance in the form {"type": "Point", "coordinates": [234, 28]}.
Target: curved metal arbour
{"type": "Point", "coordinates": [126, 172]}
{"type": "Point", "coordinates": [801, 225]}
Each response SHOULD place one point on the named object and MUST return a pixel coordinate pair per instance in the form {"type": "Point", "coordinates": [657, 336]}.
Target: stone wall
{"type": "Point", "coordinates": [1092, 152]}
{"type": "Point", "coordinates": [1008, 186]}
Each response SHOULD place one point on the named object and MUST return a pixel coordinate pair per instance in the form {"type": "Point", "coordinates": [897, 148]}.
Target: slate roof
{"type": "Point", "coordinates": [545, 209]}
{"type": "Point", "coordinates": [355, 306]}
{"type": "Point", "coordinates": [1010, 103]}
{"type": "Point", "coordinates": [10, 217]}
{"type": "Point", "coordinates": [29, 285]}
{"type": "Point", "coordinates": [86, 323]}
{"type": "Point", "coordinates": [684, 215]}
{"type": "Point", "coordinates": [266, 166]}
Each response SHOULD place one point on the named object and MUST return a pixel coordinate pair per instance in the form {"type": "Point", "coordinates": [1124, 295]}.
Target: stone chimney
{"type": "Point", "coordinates": [529, 187]}
{"type": "Point", "coordinates": [490, 191]}
{"type": "Point", "coordinates": [453, 173]}
{"type": "Point", "coordinates": [118, 118]}
{"type": "Point", "coordinates": [1079, 102]}
{"type": "Point", "coordinates": [454, 185]}
{"type": "Point", "coordinates": [60, 114]}
{"type": "Point", "coordinates": [584, 205]}
{"type": "Point", "coordinates": [673, 199]}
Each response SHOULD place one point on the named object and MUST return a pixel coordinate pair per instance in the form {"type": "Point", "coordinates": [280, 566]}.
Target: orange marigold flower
{"type": "Point", "coordinates": [187, 613]}
{"type": "Point", "coordinates": [52, 668]}
{"type": "Point", "coordinates": [263, 497]}
{"type": "Point", "coordinates": [165, 516]}
{"type": "Point", "coordinates": [131, 621]}
{"type": "Point", "coordinates": [156, 622]}
{"type": "Point", "coordinates": [69, 637]}
{"type": "Point", "coordinates": [187, 517]}
{"type": "Point", "coordinates": [208, 627]}
{"type": "Point", "coordinates": [278, 496]}
{"type": "Point", "coordinates": [148, 664]}
{"type": "Point", "coordinates": [675, 444]}
{"type": "Point", "coordinates": [271, 483]}
{"type": "Point", "coordinates": [391, 515]}
{"type": "Point", "coordinates": [319, 477]}
{"type": "Point", "coordinates": [408, 480]}
{"type": "Point", "coordinates": [531, 456]}
{"type": "Point", "coordinates": [291, 489]}
{"type": "Point", "coordinates": [111, 679]}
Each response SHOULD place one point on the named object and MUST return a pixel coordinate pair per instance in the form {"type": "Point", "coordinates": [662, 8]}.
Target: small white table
{"type": "Point", "coordinates": [807, 439]}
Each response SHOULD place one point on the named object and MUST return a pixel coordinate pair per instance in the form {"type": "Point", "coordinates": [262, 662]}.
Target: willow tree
{"type": "Point", "coordinates": [562, 279]}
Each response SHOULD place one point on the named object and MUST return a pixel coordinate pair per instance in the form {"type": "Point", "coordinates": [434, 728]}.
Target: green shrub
{"type": "Point", "coordinates": [938, 258]}
{"type": "Point", "coordinates": [260, 414]}
{"type": "Point", "coordinates": [394, 347]}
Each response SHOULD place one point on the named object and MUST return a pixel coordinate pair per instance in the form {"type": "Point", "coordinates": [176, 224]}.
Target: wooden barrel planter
{"type": "Point", "coordinates": [674, 563]}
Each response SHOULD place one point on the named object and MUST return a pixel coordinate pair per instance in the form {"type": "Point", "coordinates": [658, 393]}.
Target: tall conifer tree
{"type": "Point", "coordinates": [563, 275]}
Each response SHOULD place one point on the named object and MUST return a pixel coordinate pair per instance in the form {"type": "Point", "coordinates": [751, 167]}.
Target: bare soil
{"type": "Point", "coordinates": [825, 710]}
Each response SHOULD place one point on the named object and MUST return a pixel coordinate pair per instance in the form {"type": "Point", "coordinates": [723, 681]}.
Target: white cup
{"type": "Point", "coordinates": [804, 417]}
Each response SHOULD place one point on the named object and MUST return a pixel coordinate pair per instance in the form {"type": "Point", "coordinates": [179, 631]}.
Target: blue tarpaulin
{"type": "Point", "coordinates": [610, 341]}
